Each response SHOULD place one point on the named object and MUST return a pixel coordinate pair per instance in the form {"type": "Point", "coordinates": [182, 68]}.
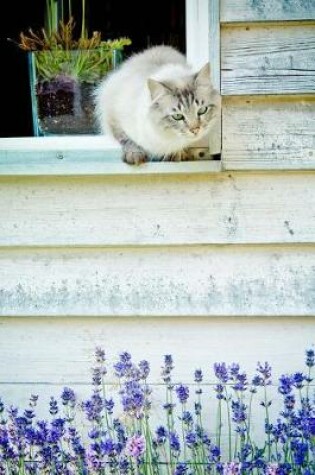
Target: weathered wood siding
{"type": "Point", "coordinates": [157, 262]}
{"type": "Point", "coordinates": [268, 83]}
{"type": "Point", "coordinates": [266, 10]}
{"type": "Point", "coordinates": [209, 261]}
{"type": "Point", "coordinates": [268, 59]}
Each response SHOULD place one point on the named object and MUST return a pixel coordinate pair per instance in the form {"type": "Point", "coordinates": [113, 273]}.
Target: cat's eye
{"type": "Point", "coordinates": [202, 110]}
{"type": "Point", "coordinates": [177, 116]}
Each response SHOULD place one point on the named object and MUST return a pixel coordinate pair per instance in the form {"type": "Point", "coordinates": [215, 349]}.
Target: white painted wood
{"type": "Point", "coordinates": [88, 156]}
{"type": "Point", "coordinates": [160, 210]}
{"type": "Point", "coordinates": [36, 367]}
{"type": "Point", "coordinates": [36, 361]}
{"type": "Point", "coordinates": [203, 45]}
{"type": "Point", "coordinates": [215, 143]}
{"type": "Point", "coordinates": [268, 59]}
{"type": "Point", "coordinates": [272, 132]}
{"type": "Point", "coordinates": [266, 10]}
{"type": "Point", "coordinates": [197, 32]}
{"type": "Point", "coordinates": [166, 281]}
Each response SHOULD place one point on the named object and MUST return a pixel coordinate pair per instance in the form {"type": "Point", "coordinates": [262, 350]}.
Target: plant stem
{"type": "Point", "coordinates": [83, 23]}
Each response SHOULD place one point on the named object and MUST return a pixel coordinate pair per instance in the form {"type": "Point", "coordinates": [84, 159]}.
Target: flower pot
{"type": "Point", "coordinates": [62, 84]}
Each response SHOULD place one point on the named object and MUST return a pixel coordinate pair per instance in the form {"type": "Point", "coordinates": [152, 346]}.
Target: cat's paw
{"type": "Point", "coordinates": [181, 156]}
{"type": "Point", "coordinates": [134, 158]}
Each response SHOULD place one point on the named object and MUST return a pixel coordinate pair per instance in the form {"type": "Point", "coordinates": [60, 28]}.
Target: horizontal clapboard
{"type": "Point", "coordinates": [37, 368]}
{"type": "Point", "coordinates": [266, 10]}
{"type": "Point", "coordinates": [36, 361]}
{"type": "Point", "coordinates": [168, 210]}
{"type": "Point", "coordinates": [275, 59]}
{"type": "Point", "coordinates": [269, 132]}
{"type": "Point", "coordinates": [186, 281]}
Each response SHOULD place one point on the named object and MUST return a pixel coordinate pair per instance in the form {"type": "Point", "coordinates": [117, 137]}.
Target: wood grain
{"type": "Point", "coordinates": [266, 10]}
{"type": "Point", "coordinates": [167, 210]}
{"type": "Point", "coordinates": [197, 281]}
{"type": "Point", "coordinates": [260, 59]}
{"type": "Point", "coordinates": [269, 132]}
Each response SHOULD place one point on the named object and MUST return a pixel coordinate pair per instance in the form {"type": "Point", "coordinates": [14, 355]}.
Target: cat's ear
{"type": "Point", "coordinates": [157, 89]}
{"type": "Point", "coordinates": [202, 78]}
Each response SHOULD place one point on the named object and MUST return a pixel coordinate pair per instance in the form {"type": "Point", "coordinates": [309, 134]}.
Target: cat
{"type": "Point", "coordinates": [156, 106]}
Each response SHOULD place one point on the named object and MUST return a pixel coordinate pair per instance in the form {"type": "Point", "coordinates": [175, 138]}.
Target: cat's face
{"type": "Point", "coordinates": [186, 108]}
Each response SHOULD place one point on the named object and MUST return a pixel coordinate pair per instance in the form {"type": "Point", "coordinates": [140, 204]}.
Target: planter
{"type": "Point", "coordinates": [62, 84]}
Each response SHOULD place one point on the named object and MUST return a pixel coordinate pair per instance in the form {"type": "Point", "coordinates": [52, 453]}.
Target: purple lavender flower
{"type": "Point", "coordinates": [33, 400]}
{"type": "Point", "coordinates": [144, 368]}
{"type": "Point", "coordinates": [161, 435]}
{"type": "Point", "coordinates": [181, 469]}
{"type": "Point", "coordinates": [298, 380]}
{"type": "Point", "coordinates": [135, 446]}
{"type": "Point", "coordinates": [133, 398]}
{"type": "Point", "coordinates": [68, 397]}
{"type": "Point", "coordinates": [187, 418]}
{"type": "Point", "coordinates": [240, 382]}
{"type": "Point", "coordinates": [191, 439]}
{"type": "Point", "coordinates": [167, 369]}
{"type": "Point", "coordinates": [265, 370]}
{"type": "Point", "coordinates": [124, 365]}
{"type": "Point", "coordinates": [221, 372]}
{"type": "Point", "coordinates": [272, 469]}
{"type": "Point", "coordinates": [93, 407]}
{"type": "Point", "coordinates": [53, 406]}
{"type": "Point", "coordinates": [311, 426]}
{"type": "Point", "coordinates": [182, 393]}
{"type": "Point", "coordinates": [310, 358]}
{"type": "Point", "coordinates": [108, 447]}
{"type": "Point", "coordinates": [285, 384]}
{"type": "Point", "coordinates": [198, 376]}
{"type": "Point", "coordinates": [109, 405]}
{"type": "Point", "coordinates": [232, 468]}
{"type": "Point", "coordinates": [174, 441]}
{"type": "Point", "coordinates": [123, 466]}
{"type": "Point", "coordinates": [219, 389]}
{"type": "Point", "coordinates": [239, 411]}
{"type": "Point", "coordinates": [100, 355]}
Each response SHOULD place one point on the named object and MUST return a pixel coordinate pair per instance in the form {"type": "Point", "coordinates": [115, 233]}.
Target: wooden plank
{"type": "Point", "coordinates": [265, 59]}
{"type": "Point", "coordinates": [270, 132]}
{"type": "Point", "coordinates": [91, 164]}
{"type": "Point", "coordinates": [267, 10]}
{"type": "Point", "coordinates": [209, 340]}
{"type": "Point", "coordinates": [87, 156]}
{"type": "Point", "coordinates": [196, 281]}
{"type": "Point", "coordinates": [51, 354]}
{"type": "Point", "coordinates": [228, 208]}
{"type": "Point", "coordinates": [197, 32]}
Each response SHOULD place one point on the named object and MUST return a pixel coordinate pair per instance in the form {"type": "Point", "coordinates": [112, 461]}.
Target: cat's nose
{"type": "Point", "coordinates": [195, 130]}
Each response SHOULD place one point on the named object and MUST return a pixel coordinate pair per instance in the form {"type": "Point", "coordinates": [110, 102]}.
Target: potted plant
{"type": "Point", "coordinates": [64, 69]}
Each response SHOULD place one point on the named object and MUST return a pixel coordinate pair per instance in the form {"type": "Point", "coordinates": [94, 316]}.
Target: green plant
{"type": "Point", "coordinates": [59, 52]}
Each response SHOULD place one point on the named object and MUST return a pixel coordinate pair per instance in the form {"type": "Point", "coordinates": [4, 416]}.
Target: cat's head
{"type": "Point", "coordinates": [186, 107]}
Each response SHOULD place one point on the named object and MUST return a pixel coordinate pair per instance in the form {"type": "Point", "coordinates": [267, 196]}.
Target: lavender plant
{"type": "Point", "coordinates": [113, 431]}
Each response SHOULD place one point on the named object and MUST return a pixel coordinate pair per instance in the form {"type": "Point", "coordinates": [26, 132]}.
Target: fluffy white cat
{"type": "Point", "coordinates": [156, 106]}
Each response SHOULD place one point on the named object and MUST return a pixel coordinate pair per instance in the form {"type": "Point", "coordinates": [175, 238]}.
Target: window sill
{"type": "Point", "coordinates": [82, 155]}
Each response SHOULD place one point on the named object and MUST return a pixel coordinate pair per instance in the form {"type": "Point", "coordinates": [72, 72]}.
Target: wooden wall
{"type": "Point", "coordinates": [189, 259]}
{"type": "Point", "coordinates": [209, 261]}
{"type": "Point", "coordinates": [267, 72]}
